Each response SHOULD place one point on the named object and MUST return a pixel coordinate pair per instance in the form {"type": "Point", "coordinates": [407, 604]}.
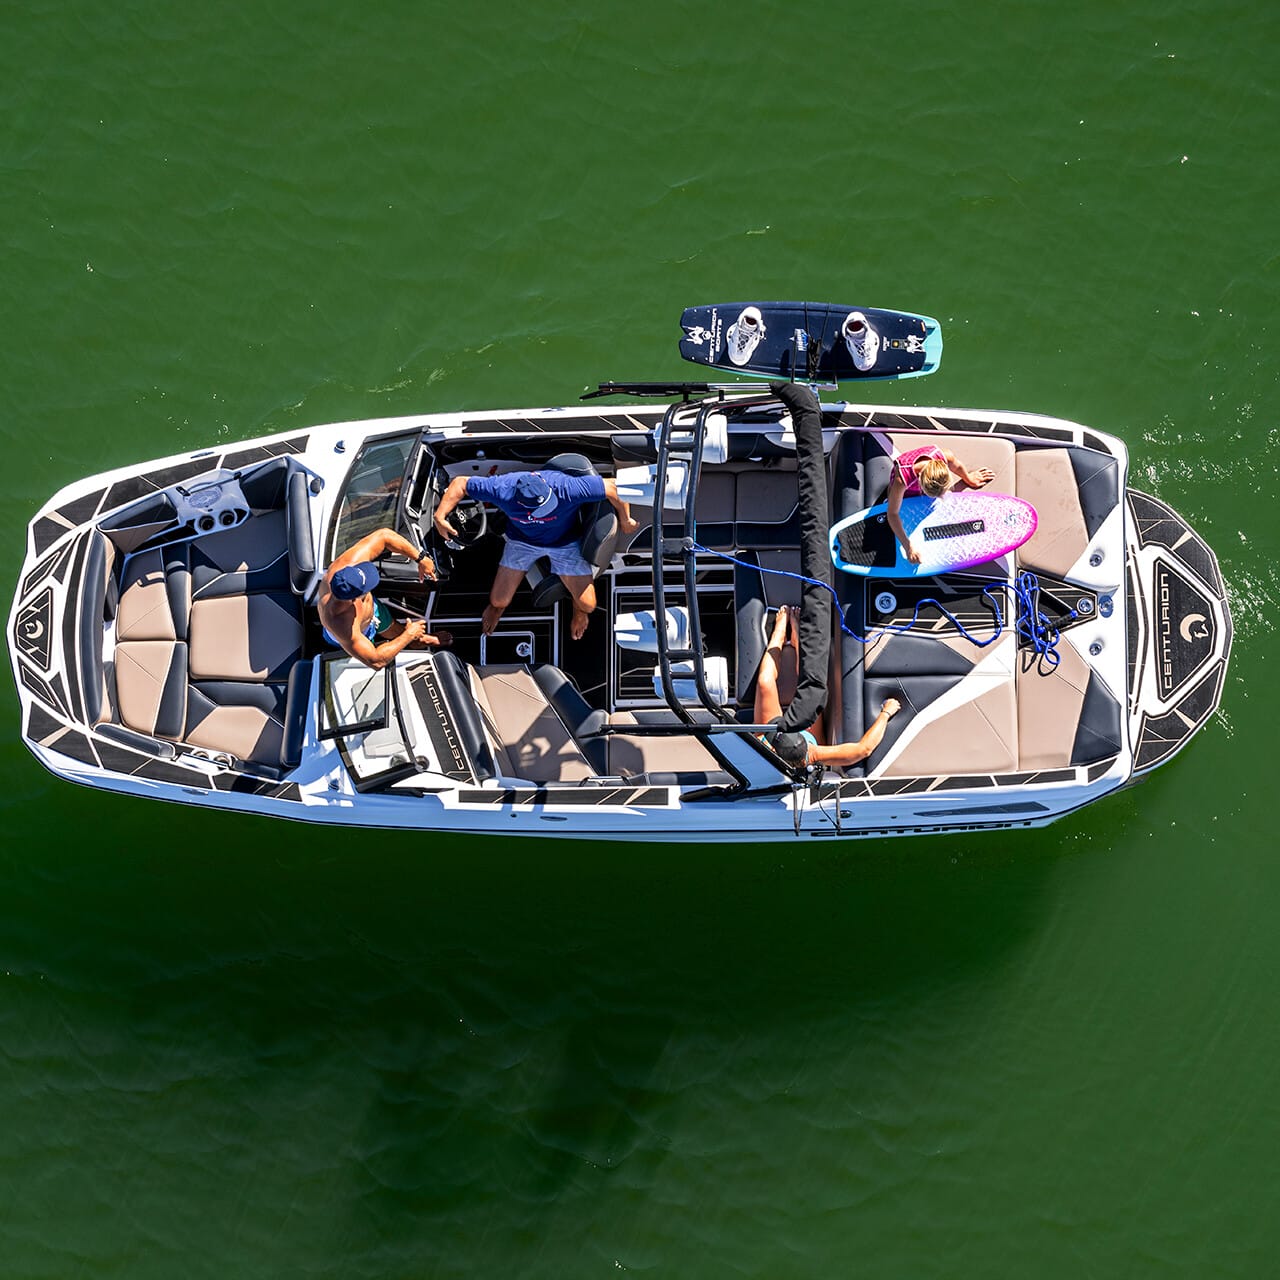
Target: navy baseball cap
{"type": "Point", "coordinates": [355, 580]}
{"type": "Point", "coordinates": [533, 493]}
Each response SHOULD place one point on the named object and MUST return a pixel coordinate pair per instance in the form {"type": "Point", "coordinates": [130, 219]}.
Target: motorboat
{"type": "Point", "coordinates": [165, 643]}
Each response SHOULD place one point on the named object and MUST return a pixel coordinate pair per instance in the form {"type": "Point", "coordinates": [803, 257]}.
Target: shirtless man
{"type": "Point", "coordinates": [352, 617]}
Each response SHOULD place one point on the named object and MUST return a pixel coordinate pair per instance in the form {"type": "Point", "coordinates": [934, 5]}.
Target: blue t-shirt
{"type": "Point", "coordinates": [553, 530]}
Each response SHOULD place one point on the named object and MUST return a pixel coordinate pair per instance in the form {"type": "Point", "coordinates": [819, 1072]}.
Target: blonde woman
{"type": "Point", "coordinates": [930, 471]}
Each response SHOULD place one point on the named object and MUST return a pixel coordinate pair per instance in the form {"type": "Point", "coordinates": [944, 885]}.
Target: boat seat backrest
{"type": "Point", "coordinates": [756, 593]}
{"type": "Point", "coordinates": [767, 511]}
{"type": "Point", "coordinates": [98, 607]}
{"type": "Point", "coordinates": [738, 505]}
{"type": "Point", "coordinates": [251, 557]}
{"type": "Point", "coordinates": [535, 741]}
{"type": "Point", "coordinates": [155, 595]}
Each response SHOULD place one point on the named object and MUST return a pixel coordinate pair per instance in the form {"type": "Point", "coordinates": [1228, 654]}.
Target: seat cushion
{"type": "Point", "coordinates": [675, 755]}
{"type": "Point", "coordinates": [255, 637]}
{"type": "Point", "coordinates": [244, 720]}
{"type": "Point", "coordinates": [953, 721]}
{"type": "Point", "coordinates": [151, 686]}
{"type": "Point", "coordinates": [252, 557]}
{"type": "Point", "coordinates": [155, 596]}
{"type": "Point", "coordinates": [1066, 714]}
{"type": "Point", "coordinates": [972, 451]}
{"type": "Point", "coordinates": [537, 744]}
{"type": "Point", "coordinates": [1047, 481]}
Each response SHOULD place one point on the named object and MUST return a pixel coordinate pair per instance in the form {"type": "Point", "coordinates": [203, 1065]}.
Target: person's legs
{"type": "Point", "coordinates": [501, 594]}
{"type": "Point", "coordinates": [776, 678]}
{"type": "Point", "coordinates": [583, 591]}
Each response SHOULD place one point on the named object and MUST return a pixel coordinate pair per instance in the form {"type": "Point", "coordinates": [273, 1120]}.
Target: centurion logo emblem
{"type": "Point", "coordinates": [1195, 626]}
{"type": "Point", "coordinates": [1183, 629]}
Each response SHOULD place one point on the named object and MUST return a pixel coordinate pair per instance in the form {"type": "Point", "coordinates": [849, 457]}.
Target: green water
{"type": "Point", "coordinates": [237, 1048]}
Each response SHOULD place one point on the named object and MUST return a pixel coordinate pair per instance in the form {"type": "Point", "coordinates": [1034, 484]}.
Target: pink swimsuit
{"type": "Point", "coordinates": [905, 465]}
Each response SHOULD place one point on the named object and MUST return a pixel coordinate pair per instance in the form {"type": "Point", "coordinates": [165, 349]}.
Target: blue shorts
{"type": "Point", "coordinates": [567, 561]}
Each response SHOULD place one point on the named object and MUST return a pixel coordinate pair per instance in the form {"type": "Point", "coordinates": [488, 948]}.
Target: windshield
{"type": "Point", "coordinates": [372, 494]}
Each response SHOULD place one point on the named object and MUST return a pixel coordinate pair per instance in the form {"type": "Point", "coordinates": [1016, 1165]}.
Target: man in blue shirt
{"type": "Point", "coordinates": [540, 507]}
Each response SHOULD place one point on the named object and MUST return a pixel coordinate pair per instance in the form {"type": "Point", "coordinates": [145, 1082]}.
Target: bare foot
{"type": "Point", "coordinates": [441, 638]}
{"type": "Point", "coordinates": [779, 636]}
{"type": "Point", "coordinates": [578, 624]}
{"type": "Point", "coordinates": [489, 618]}
{"type": "Point", "coordinates": [793, 625]}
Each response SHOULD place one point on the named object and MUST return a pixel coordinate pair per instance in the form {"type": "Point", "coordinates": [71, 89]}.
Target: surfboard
{"type": "Point", "coordinates": [954, 532]}
{"type": "Point", "coordinates": [908, 345]}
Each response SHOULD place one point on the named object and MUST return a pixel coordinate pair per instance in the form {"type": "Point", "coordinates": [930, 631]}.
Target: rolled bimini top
{"type": "Point", "coordinates": [815, 556]}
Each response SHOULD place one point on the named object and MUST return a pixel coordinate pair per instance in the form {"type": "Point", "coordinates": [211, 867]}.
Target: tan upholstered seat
{"type": "Point", "coordinates": [145, 612]}
{"type": "Point", "coordinates": [1047, 481]}
{"type": "Point", "coordinates": [963, 723]}
{"type": "Point", "coordinates": [530, 740]}
{"type": "Point", "coordinates": [248, 732]}
{"type": "Point", "coordinates": [253, 637]}
{"type": "Point", "coordinates": [972, 451]}
{"type": "Point", "coordinates": [630, 754]}
{"type": "Point", "coordinates": [151, 686]}
{"type": "Point", "coordinates": [206, 633]}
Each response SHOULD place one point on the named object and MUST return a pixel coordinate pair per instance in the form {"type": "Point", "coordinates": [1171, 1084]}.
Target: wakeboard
{"type": "Point", "coordinates": [805, 341]}
{"type": "Point", "coordinates": [954, 532]}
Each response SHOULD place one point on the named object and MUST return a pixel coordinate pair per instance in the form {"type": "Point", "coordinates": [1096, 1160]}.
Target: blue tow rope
{"type": "Point", "coordinates": [1031, 625]}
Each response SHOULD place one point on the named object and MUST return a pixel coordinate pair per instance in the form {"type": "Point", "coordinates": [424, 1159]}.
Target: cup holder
{"type": "Point", "coordinates": [217, 520]}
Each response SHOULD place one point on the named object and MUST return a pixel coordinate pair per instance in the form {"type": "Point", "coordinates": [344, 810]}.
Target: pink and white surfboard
{"type": "Point", "coordinates": [957, 531]}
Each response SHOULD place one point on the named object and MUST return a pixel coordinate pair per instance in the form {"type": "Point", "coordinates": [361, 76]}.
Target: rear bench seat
{"type": "Point", "coordinates": [1013, 713]}
{"type": "Point", "coordinates": [959, 731]}
{"type": "Point", "coordinates": [207, 631]}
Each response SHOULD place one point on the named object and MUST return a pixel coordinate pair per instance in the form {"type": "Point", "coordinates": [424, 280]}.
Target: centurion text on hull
{"type": "Point", "coordinates": [165, 644]}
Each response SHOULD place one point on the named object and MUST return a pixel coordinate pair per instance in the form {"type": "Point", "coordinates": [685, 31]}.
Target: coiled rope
{"type": "Point", "coordinates": [1033, 627]}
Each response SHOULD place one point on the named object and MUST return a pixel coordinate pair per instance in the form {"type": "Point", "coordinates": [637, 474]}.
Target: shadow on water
{"type": "Point", "coordinates": [424, 1017]}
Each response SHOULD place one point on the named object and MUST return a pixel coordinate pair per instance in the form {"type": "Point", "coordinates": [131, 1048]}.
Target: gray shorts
{"type": "Point", "coordinates": [567, 561]}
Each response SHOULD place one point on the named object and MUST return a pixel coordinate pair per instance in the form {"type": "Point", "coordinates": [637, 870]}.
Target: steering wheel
{"type": "Point", "coordinates": [471, 520]}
